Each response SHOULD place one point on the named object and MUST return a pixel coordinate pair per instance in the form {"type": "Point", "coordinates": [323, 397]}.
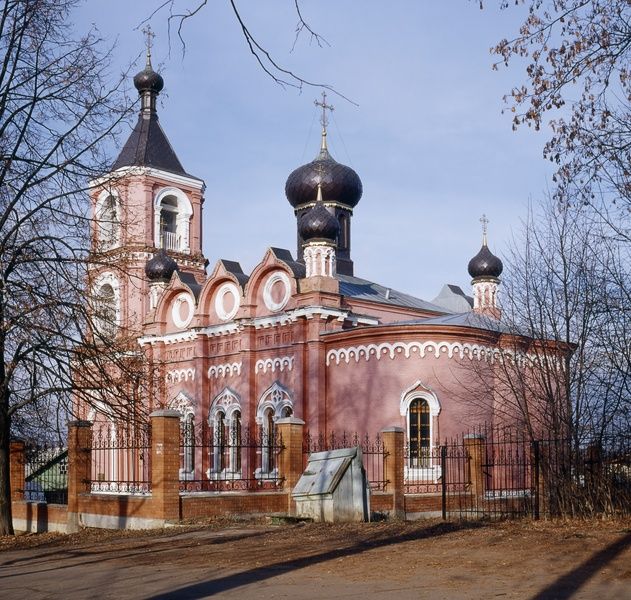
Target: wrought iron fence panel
{"type": "Point", "coordinates": [46, 474]}
{"type": "Point", "coordinates": [121, 459]}
{"type": "Point", "coordinates": [233, 459]}
{"type": "Point", "coordinates": [373, 452]}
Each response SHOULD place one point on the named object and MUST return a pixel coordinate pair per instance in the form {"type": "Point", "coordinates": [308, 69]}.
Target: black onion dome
{"type": "Point", "coordinates": [160, 267]}
{"type": "Point", "coordinates": [318, 223]}
{"type": "Point", "coordinates": [485, 264]}
{"type": "Point", "coordinates": [148, 80]}
{"type": "Point", "coordinates": [339, 182]}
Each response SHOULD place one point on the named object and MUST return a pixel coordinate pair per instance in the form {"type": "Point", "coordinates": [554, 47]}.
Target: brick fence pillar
{"type": "Point", "coordinates": [165, 464]}
{"type": "Point", "coordinates": [475, 446]}
{"type": "Point", "coordinates": [79, 467]}
{"type": "Point", "coordinates": [393, 468]}
{"type": "Point", "coordinates": [17, 462]}
{"type": "Point", "coordinates": [290, 462]}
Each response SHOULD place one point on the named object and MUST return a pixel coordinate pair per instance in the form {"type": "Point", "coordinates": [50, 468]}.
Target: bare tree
{"type": "Point", "coordinates": [563, 361]}
{"type": "Point", "coordinates": [180, 11]}
{"type": "Point", "coordinates": [57, 112]}
{"type": "Point", "coordinates": [578, 72]}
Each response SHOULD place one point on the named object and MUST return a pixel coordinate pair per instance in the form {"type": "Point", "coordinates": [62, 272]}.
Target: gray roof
{"type": "Point", "coordinates": [467, 319]}
{"type": "Point", "coordinates": [297, 268]}
{"type": "Point", "coordinates": [362, 289]}
{"type": "Point", "coordinates": [452, 298]}
{"type": "Point", "coordinates": [148, 146]}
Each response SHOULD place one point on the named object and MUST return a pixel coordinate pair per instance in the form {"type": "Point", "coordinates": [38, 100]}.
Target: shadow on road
{"type": "Point", "coordinates": [567, 585]}
{"type": "Point", "coordinates": [222, 584]}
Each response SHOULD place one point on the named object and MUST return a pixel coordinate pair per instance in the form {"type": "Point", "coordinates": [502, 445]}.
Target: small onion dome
{"type": "Point", "coordinates": [160, 267]}
{"type": "Point", "coordinates": [339, 182]}
{"type": "Point", "coordinates": [148, 80]}
{"type": "Point", "coordinates": [485, 264]}
{"type": "Point", "coordinates": [318, 223]}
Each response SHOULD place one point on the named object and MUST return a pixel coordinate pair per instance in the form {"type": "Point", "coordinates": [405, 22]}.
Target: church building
{"type": "Point", "coordinates": [303, 334]}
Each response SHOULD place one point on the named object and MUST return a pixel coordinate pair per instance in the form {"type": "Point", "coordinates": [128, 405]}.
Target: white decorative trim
{"type": "Point", "coordinates": [197, 184]}
{"type": "Point", "coordinates": [276, 277]}
{"type": "Point", "coordinates": [485, 293]}
{"type": "Point", "coordinates": [225, 370]}
{"type": "Point", "coordinates": [419, 390]}
{"type": "Point", "coordinates": [184, 212]}
{"type": "Point", "coordinates": [319, 259]}
{"type": "Point", "coordinates": [183, 404]}
{"type": "Point", "coordinates": [178, 375]}
{"type": "Point", "coordinates": [170, 338]}
{"type": "Point", "coordinates": [273, 363]}
{"type": "Point", "coordinates": [220, 306]}
{"type": "Point", "coordinates": [259, 323]}
{"type": "Point", "coordinates": [394, 349]}
{"type": "Point", "coordinates": [277, 398]}
{"type": "Point", "coordinates": [228, 402]}
{"type": "Point", "coordinates": [178, 321]}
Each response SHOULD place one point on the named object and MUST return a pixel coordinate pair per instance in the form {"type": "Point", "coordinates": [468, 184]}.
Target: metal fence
{"type": "Point", "coordinates": [228, 459]}
{"type": "Point", "coordinates": [46, 474]}
{"type": "Point", "coordinates": [121, 459]}
{"type": "Point", "coordinates": [373, 452]}
{"type": "Point", "coordinates": [514, 475]}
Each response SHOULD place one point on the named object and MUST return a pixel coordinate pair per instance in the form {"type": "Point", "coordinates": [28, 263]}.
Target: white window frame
{"type": "Point", "coordinates": [418, 391]}
{"type": "Point", "coordinates": [184, 212]}
{"type": "Point", "coordinates": [99, 208]}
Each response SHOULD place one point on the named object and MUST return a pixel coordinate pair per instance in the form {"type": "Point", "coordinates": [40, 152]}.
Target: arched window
{"type": "Point", "coordinates": [225, 420]}
{"type": "Point", "coordinates": [172, 214]}
{"type": "Point", "coordinates": [420, 406]}
{"type": "Point", "coordinates": [419, 433]}
{"type": "Point", "coordinates": [275, 403]}
{"type": "Point", "coordinates": [106, 306]}
{"type": "Point", "coordinates": [107, 222]}
{"type": "Point", "coordinates": [343, 235]}
{"type": "Point", "coordinates": [187, 464]}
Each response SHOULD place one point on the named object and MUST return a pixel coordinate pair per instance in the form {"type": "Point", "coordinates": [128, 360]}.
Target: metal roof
{"type": "Point", "coordinates": [362, 289]}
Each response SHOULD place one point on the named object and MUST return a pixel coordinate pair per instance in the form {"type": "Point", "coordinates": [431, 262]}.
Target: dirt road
{"type": "Point", "coordinates": [535, 560]}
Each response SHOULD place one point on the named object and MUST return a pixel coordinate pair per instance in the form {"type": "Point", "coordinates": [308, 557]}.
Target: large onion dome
{"type": "Point", "coordinates": [160, 267]}
{"type": "Point", "coordinates": [339, 183]}
{"type": "Point", "coordinates": [318, 223]}
{"type": "Point", "coordinates": [485, 264]}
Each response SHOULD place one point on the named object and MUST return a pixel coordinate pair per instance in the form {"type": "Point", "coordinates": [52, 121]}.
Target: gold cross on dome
{"type": "Point", "coordinates": [485, 223]}
{"type": "Point", "coordinates": [323, 119]}
{"type": "Point", "coordinates": [149, 35]}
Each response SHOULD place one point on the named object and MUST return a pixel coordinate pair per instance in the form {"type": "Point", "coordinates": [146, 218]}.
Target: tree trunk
{"type": "Point", "coordinates": [6, 517]}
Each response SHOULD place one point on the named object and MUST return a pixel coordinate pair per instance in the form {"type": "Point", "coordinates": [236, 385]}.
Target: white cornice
{"type": "Point", "coordinates": [197, 184]}
{"type": "Point", "coordinates": [259, 323]}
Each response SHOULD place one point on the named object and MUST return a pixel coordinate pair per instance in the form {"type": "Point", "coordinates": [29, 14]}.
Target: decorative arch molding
{"type": "Point", "coordinates": [227, 402]}
{"type": "Point", "coordinates": [177, 375]}
{"type": "Point", "coordinates": [183, 403]}
{"type": "Point", "coordinates": [419, 390]}
{"type": "Point", "coordinates": [407, 349]}
{"type": "Point", "coordinates": [277, 398]}
{"type": "Point", "coordinates": [184, 211]}
{"type": "Point", "coordinates": [225, 370]}
{"type": "Point", "coordinates": [280, 363]}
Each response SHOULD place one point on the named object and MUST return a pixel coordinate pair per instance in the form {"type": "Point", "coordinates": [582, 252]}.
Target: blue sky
{"type": "Point", "coordinates": [428, 138]}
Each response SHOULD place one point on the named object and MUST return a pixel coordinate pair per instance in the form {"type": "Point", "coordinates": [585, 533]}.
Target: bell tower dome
{"type": "Point", "coordinates": [146, 211]}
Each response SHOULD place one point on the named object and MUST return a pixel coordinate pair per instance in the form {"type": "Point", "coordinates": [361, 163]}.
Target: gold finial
{"type": "Point", "coordinates": [149, 35]}
{"type": "Point", "coordinates": [323, 119]}
{"type": "Point", "coordinates": [484, 222]}
{"type": "Point", "coordinates": [319, 196]}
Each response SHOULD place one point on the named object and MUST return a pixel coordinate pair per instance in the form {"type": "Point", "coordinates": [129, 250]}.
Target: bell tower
{"type": "Point", "coordinates": [146, 205]}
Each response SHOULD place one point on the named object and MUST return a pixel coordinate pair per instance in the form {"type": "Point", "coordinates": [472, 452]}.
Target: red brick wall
{"type": "Point", "coordinates": [198, 506]}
